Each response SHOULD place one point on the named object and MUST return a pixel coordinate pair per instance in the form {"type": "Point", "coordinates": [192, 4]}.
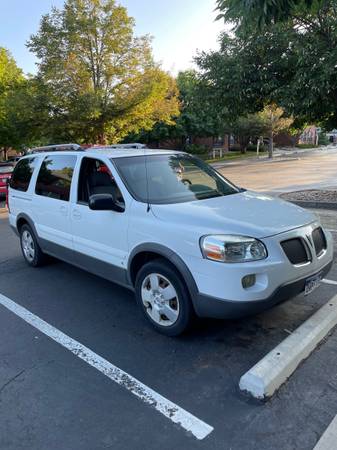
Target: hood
{"type": "Point", "coordinates": [246, 213]}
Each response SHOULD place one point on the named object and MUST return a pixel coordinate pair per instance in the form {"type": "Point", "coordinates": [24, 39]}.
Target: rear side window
{"type": "Point", "coordinates": [22, 174]}
{"type": "Point", "coordinates": [55, 175]}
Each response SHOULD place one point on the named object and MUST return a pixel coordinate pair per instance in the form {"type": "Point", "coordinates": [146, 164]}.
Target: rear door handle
{"type": "Point", "coordinates": [76, 214]}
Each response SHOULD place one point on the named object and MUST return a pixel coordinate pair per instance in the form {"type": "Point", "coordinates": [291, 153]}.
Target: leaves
{"type": "Point", "coordinates": [12, 89]}
{"type": "Point", "coordinates": [292, 64]}
{"type": "Point", "coordinates": [102, 82]}
{"type": "Point", "coordinates": [250, 14]}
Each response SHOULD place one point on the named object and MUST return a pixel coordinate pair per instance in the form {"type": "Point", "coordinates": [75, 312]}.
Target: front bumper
{"type": "Point", "coordinates": [207, 306]}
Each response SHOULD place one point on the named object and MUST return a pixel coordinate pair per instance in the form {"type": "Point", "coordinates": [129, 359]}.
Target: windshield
{"type": "Point", "coordinates": [176, 178]}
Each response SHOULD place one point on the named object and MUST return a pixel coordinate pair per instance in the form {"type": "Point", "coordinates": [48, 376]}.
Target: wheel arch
{"type": "Point", "coordinates": [146, 252]}
{"type": "Point", "coordinates": [22, 219]}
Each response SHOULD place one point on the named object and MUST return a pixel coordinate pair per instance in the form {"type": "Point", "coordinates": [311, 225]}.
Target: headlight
{"type": "Point", "coordinates": [232, 249]}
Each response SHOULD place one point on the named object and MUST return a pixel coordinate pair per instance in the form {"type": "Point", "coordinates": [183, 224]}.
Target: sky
{"type": "Point", "coordinates": [179, 28]}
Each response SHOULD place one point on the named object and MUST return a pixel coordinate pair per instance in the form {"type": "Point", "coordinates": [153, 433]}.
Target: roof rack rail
{"type": "Point", "coordinates": [57, 148]}
{"type": "Point", "coordinates": [134, 145]}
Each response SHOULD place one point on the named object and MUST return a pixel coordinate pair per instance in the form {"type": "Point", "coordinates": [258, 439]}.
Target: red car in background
{"type": "Point", "coordinates": [6, 169]}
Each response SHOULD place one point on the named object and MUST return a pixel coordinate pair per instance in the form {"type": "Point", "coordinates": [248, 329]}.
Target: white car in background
{"type": "Point", "coordinates": [169, 227]}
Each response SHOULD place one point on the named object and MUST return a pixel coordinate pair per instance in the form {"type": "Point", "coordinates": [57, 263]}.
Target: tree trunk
{"type": "Point", "coordinates": [101, 138]}
{"type": "Point", "coordinates": [271, 145]}
{"type": "Point", "coordinates": [243, 144]}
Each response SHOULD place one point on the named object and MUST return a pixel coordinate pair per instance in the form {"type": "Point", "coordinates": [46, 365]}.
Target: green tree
{"type": "Point", "coordinates": [258, 13]}
{"type": "Point", "coordinates": [272, 116]}
{"type": "Point", "coordinates": [101, 81]}
{"type": "Point", "coordinates": [247, 128]}
{"type": "Point", "coordinates": [292, 64]}
{"type": "Point", "coordinates": [199, 115]}
{"type": "Point", "coordinates": [11, 80]}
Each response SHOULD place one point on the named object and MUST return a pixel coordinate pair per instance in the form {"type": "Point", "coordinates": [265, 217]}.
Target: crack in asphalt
{"type": "Point", "coordinates": [3, 387]}
{"type": "Point", "coordinates": [15, 377]}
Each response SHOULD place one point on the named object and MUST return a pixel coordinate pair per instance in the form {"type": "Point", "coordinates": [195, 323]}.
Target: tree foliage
{"type": "Point", "coordinates": [100, 80]}
{"type": "Point", "coordinates": [258, 13]}
{"type": "Point", "coordinates": [247, 128]}
{"type": "Point", "coordinates": [199, 115]}
{"type": "Point", "coordinates": [12, 84]}
{"type": "Point", "coordinates": [274, 121]}
{"type": "Point", "coordinates": [292, 64]}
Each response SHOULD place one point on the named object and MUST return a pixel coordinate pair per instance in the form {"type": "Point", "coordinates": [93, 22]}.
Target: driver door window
{"type": "Point", "coordinates": [96, 178]}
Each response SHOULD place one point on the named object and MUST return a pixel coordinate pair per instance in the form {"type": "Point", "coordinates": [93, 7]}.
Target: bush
{"type": "Point", "coordinates": [253, 148]}
{"type": "Point", "coordinates": [323, 139]}
{"type": "Point", "coordinates": [196, 149]}
{"type": "Point", "coordinates": [235, 147]}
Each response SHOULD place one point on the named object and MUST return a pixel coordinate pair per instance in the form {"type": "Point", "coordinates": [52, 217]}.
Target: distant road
{"type": "Point", "coordinates": [315, 170]}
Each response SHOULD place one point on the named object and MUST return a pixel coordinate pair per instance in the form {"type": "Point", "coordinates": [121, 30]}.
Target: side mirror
{"type": "Point", "coordinates": [104, 202]}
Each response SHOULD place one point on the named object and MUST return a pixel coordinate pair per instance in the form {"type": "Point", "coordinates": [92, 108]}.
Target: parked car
{"type": "Point", "coordinates": [169, 227]}
{"type": "Point", "coordinates": [6, 169]}
{"type": "Point", "coordinates": [14, 159]}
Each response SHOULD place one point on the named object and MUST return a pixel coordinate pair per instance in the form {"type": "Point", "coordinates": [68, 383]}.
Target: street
{"type": "Point", "coordinates": [50, 398]}
{"type": "Point", "coordinates": [305, 171]}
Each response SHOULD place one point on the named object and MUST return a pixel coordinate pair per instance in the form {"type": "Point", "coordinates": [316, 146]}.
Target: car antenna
{"type": "Point", "coordinates": [147, 184]}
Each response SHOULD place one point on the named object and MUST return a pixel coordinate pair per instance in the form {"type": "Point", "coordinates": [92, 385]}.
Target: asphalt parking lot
{"type": "Point", "coordinates": [49, 398]}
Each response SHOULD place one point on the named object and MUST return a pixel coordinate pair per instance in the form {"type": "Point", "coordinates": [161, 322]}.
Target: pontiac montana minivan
{"type": "Point", "coordinates": [168, 226]}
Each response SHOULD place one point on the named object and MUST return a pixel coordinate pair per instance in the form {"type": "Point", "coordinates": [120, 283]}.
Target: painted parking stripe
{"type": "Point", "coordinates": [173, 412]}
{"type": "Point", "coordinates": [332, 282]}
{"type": "Point", "coordinates": [333, 231]}
{"type": "Point", "coordinates": [328, 440]}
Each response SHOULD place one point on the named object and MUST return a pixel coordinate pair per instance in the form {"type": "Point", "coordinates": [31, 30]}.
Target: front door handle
{"type": "Point", "coordinates": [76, 214]}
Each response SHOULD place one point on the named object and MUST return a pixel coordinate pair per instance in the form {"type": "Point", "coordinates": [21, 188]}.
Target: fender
{"type": "Point", "coordinates": [176, 261]}
{"type": "Point", "coordinates": [29, 221]}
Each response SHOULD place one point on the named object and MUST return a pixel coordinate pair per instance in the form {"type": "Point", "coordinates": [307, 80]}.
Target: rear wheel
{"type": "Point", "coordinates": [163, 298]}
{"type": "Point", "coordinates": [30, 248]}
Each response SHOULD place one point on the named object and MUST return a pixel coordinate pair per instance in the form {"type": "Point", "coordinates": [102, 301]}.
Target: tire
{"type": "Point", "coordinates": [169, 311]}
{"type": "Point", "coordinates": [30, 248]}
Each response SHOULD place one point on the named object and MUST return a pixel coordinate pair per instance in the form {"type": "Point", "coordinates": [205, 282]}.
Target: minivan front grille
{"type": "Point", "coordinates": [295, 251]}
{"type": "Point", "coordinates": [319, 241]}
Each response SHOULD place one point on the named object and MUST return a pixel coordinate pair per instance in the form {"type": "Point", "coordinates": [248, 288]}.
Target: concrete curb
{"type": "Point", "coordinates": [312, 204]}
{"type": "Point", "coordinates": [276, 367]}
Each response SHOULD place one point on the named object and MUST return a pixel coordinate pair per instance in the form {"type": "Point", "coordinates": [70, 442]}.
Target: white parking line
{"type": "Point", "coordinates": [332, 282]}
{"type": "Point", "coordinates": [328, 440]}
{"type": "Point", "coordinates": [333, 231]}
{"type": "Point", "coordinates": [178, 415]}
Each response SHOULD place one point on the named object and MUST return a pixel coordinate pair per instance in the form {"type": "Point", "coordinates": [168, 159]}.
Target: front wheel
{"type": "Point", "coordinates": [30, 248]}
{"type": "Point", "coordinates": [163, 298]}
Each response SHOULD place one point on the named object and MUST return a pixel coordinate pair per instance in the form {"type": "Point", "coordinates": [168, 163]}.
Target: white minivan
{"type": "Point", "coordinates": [169, 227]}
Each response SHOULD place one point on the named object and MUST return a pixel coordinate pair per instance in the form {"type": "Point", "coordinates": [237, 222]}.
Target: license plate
{"type": "Point", "coordinates": [312, 283]}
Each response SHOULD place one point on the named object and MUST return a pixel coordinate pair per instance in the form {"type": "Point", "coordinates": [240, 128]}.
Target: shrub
{"type": "Point", "coordinates": [196, 149]}
{"type": "Point", "coordinates": [235, 147]}
{"type": "Point", "coordinates": [253, 148]}
{"type": "Point", "coordinates": [323, 139]}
